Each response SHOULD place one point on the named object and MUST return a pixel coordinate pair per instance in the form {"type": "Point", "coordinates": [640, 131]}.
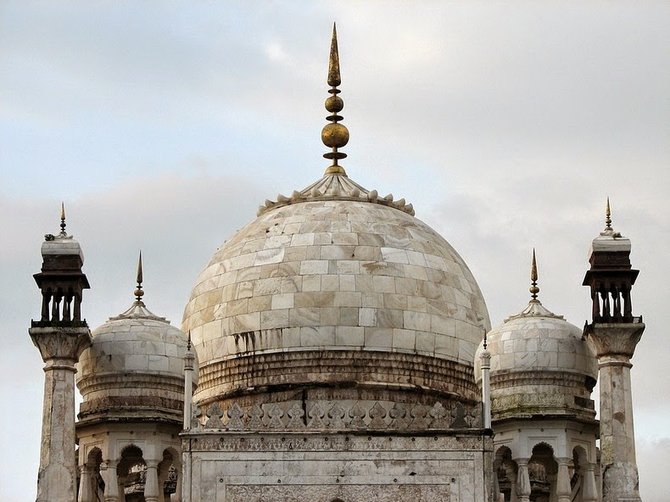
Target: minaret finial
{"type": "Point", "coordinates": [62, 219]}
{"type": "Point", "coordinates": [486, 342]}
{"type": "Point", "coordinates": [138, 291]}
{"type": "Point", "coordinates": [334, 135]}
{"type": "Point", "coordinates": [608, 216]}
{"type": "Point", "coordinates": [534, 290]}
{"type": "Point", "coordinates": [188, 344]}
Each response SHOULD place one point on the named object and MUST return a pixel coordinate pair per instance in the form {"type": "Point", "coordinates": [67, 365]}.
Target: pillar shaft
{"type": "Point", "coordinates": [590, 489]}
{"type": "Point", "coordinates": [151, 485]}
{"type": "Point", "coordinates": [523, 481]}
{"type": "Point", "coordinates": [85, 488]}
{"type": "Point", "coordinates": [60, 348]}
{"type": "Point", "coordinates": [108, 472]}
{"type": "Point", "coordinates": [563, 488]}
{"type": "Point", "coordinates": [614, 344]}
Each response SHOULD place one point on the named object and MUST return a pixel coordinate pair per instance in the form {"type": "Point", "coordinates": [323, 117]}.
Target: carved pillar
{"type": "Point", "coordinates": [108, 473]}
{"type": "Point", "coordinates": [152, 492]}
{"type": "Point", "coordinates": [590, 490]}
{"type": "Point", "coordinates": [60, 348]}
{"type": "Point", "coordinates": [522, 480]}
{"type": "Point", "coordinates": [614, 344]}
{"type": "Point", "coordinates": [85, 488]}
{"type": "Point", "coordinates": [563, 489]}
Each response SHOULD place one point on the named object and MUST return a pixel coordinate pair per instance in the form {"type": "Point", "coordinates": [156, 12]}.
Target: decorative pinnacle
{"type": "Point", "coordinates": [188, 344]}
{"type": "Point", "coordinates": [138, 291]}
{"type": "Point", "coordinates": [608, 216]}
{"type": "Point", "coordinates": [534, 290]}
{"type": "Point", "coordinates": [334, 135]}
{"type": "Point", "coordinates": [485, 340]}
{"type": "Point", "coordinates": [62, 219]}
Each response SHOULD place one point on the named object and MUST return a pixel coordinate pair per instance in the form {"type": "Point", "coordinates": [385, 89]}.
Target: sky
{"type": "Point", "coordinates": [163, 125]}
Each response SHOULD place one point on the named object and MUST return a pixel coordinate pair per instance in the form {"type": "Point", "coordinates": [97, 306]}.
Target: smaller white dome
{"type": "Point", "coordinates": [540, 364]}
{"type": "Point", "coordinates": [134, 368]}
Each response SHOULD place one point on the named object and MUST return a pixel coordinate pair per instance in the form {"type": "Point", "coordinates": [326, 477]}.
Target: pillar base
{"type": "Point", "coordinates": [621, 483]}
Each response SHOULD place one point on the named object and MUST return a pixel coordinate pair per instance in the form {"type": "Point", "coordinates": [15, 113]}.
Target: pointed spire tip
{"type": "Point", "coordinates": [62, 219]}
{"type": "Point", "coordinates": [140, 278]}
{"type": "Point", "coordinates": [534, 290]}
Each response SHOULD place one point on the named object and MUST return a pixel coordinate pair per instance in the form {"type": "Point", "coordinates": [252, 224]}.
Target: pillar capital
{"type": "Point", "coordinates": [60, 346]}
{"type": "Point", "coordinates": [614, 339]}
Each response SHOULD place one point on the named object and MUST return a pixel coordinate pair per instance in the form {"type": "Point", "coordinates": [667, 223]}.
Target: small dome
{"type": "Point", "coordinates": [133, 369]}
{"type": "Point", "coordinates": [540, 365]}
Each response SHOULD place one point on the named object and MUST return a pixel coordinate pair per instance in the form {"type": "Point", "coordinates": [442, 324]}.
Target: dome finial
{"type": "Point", "coordinates": [62, 219]}
{"type": "Point", "coordinates": [608, 216]}
{"type": "Point", "coordinates": [334, 135]}
{"type": "Point", "coordinates": [138, 291]}
{"type": "Point", "coordinates": [534, 290]}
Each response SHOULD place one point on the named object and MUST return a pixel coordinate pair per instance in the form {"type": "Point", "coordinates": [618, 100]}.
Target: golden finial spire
{"type": "Point", "coordinates": [608, 216]}
{"type": "Point", "coordinates": [138, 291]}
{"type": "Point", "coordinates": [62, 219]}
{"type": "Point", "coordinates": [334, 135]}
{"type": "Point", "coordinates": [534, 290]}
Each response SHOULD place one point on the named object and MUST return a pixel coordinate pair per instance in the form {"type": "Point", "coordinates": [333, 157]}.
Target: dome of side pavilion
{"type": "Point", "coordinates": [134, 369]}
{"type": "Point", "coordinates": [540, 365]}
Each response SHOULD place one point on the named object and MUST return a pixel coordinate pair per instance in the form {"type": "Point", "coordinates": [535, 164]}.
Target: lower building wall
{"type": "Point", "coordinates": [336, 467]}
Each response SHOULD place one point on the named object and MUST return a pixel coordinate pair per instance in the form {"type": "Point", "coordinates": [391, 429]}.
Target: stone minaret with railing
{"type": "Point", "coordinates": [60, 335]}
{"type": "Point", "coordinates": [613, 334]}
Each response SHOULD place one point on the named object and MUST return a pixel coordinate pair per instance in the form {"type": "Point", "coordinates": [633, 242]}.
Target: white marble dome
{"type": "Point", "coordinates": [335, 284]}
{"type": "Point", "coordinates": [540, 365]}
{"type": "Point", "coordinates": [133, 369]}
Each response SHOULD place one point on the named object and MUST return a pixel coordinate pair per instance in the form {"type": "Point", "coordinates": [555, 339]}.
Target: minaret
{"type": "Point", "coordinates": [613, 334]}
{"type": "Point", "coordinates": [60, 335]}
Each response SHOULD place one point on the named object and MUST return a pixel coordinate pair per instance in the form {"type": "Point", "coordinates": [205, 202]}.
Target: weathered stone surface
{"type": "Point", "coordinates": [292, 467]}
{"type": "Point", "coordinates": [349, 275]}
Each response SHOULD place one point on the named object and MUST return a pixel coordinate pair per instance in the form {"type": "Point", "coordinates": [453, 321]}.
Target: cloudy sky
{"type": "Point", "coordinates": [163, 125]}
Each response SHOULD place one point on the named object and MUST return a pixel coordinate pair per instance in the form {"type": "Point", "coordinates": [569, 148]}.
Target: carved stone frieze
{"type": "Point", "coordinates": [339, 415]}
{"type": "Point", "coordinates": [328, 493]}
{"type": "Point", "coordinates": [274, 441]}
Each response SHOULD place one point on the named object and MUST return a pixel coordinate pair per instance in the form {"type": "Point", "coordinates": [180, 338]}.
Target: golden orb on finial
{"type": "Point", "coordinates": [335, 135]}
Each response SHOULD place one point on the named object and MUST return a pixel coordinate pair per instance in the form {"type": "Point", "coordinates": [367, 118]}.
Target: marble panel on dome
{"type": "Point", "coordinates": [269, 255]}
{"type": "Point", "coordinates": [390, 318]}
{"type": "Point", "coordinates": [308, 267]}
{"type": "Point", "coordinates": [349, 336]}
{"type": "Point", "coordinates": [378, 337]}
{"type": "Point", "coordinates": [322, 336]}
{"type": "Point", "coordinates": [425, 342]}
{"type": "Point", "coordinates": [403, 339]}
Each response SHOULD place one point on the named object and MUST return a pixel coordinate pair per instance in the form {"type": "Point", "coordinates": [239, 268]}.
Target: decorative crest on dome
{"type": "Point", "coordinates": [334, 135]}
{"type": "Point", "coordinates": [138, 309]}
{"type": "Point", "coordinates": [335, 185]}
{"type": "Point", "coordinates": [534, 308]}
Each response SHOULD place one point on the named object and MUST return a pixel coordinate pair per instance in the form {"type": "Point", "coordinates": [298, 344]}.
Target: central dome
{"type": "Point", "coordinates": [335, 285]}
